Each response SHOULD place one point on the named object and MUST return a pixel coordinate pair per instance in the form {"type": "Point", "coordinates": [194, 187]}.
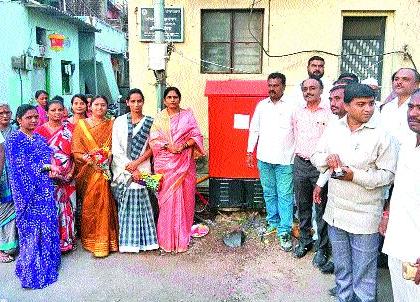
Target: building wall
{"type": "Point", "coordinates": [69, 53]}
{"type": "Point", "coordinates": [18, 41]}
{"type": "Point", "coordinates": [108, 41]}
{"type": "Point", "coordinates": [18, 24]}
{"type": "Point", "coordinates": [87, 60]}
{"type": "Point", "coordinates": [289, 26]}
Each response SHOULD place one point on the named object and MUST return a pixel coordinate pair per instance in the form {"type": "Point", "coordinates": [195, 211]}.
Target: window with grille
{"type": "Point", "coordinates": [229, 41]}
{"type": "Point", "coordinates": [363, 46]}
{"type": "Point", "coordinates": [67, 69]}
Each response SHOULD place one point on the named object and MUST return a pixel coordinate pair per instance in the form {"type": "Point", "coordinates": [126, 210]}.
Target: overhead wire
{"type": "Point", "coordinates": [200, 62]}
{"type": "Point", "coordinates": [266, 52]}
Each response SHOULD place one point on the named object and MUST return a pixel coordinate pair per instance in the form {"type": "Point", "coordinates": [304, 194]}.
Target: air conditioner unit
{"type": "Point", "coordinates": [18, 62]}
{"type": "Point", "coordinates": [23, 62]}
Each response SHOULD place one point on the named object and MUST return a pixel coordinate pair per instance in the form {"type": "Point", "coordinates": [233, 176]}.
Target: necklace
{"type": "Point", "coordinates": [175, 115]}
{"type": "Point", "coordinates": [95, 123]}
{"type": "Point", "coordinates": [52, 128]}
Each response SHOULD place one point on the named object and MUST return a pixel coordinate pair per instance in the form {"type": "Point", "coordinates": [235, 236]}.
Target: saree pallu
{"type": "Point", "coordinates": [5, 192]}
{"type": "Point", "coordinates": [99, 224]}
{"type": "Point", "coordinates": [137, 230]}
{"type": "Point", "coordinates": [177, 195]}
{"type": "Point", "coordinates": [36, 212]}
{"type": "Point", "coordinates": [65, 186]}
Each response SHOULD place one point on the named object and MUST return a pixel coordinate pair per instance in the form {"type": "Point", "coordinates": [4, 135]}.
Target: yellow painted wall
{"type": "Point", "coordinates": [289, 26]}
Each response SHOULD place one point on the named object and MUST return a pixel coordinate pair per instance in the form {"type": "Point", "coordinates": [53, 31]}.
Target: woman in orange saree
{"type": "Point", "coordinates": [175, 140]}
{"type": "Point", "coordinates": [91, 149]}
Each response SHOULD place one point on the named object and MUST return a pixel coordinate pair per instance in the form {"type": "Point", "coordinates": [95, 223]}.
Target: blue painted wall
{"type": "Point", "coordinates": [18, 25]}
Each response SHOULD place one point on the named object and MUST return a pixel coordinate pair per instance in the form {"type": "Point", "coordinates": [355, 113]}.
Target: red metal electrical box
{"type": "Point", "coordinates": [231, 105]}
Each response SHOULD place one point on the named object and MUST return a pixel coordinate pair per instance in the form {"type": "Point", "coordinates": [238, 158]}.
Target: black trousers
{"type": "Point", "coordinates": [305, 176]}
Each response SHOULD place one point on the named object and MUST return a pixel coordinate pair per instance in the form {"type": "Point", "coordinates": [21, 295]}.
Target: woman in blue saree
{"type": "Point", "coordinates": [29, 157]}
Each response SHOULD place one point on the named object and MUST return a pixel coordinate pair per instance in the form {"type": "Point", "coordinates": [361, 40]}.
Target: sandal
{"type": "Point", "coordinates": [5, 258]}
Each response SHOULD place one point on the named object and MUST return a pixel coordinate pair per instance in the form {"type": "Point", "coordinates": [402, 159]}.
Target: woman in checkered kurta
{"type": "Point", "coordinates": [130, 137]}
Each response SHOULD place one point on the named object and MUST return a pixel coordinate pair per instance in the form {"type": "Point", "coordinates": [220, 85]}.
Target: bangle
{"type": "Point", "coordinates": [385, 214]}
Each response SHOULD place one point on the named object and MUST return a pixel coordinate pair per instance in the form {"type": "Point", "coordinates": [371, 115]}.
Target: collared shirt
{"type": "Point", "coordinates": [394, 120]}
{"type": "Point", "coordinates": [271, 128]}
{"type": "Point", "coordinates": [308, 127]}
{"type": "Point", "coordinates": [296, 97]}
{"type": "Point", "coordinates": [403, 230]}
{"type": "Point", "coordinates": [371, 153]}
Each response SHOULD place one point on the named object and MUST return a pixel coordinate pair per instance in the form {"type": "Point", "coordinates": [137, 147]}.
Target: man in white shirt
{"type": "Point", "coordinates": [315, 69]}
{"type": "Point", "coordinates": [271, 128]}
{"type": "Point", "coordinates": [393, 114]}
{"type": "Point", "coordinates": [367, 156]}
{"type": "Point", "coordinates": [402, 232]}
{"type": "Point", "coordinates": [337, 108]}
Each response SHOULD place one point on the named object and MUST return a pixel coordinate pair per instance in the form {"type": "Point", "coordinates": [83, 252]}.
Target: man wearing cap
{"type": "Point", "coordinates": [365, 155]}
{"type": "Point", "coordinates": [403, 229]}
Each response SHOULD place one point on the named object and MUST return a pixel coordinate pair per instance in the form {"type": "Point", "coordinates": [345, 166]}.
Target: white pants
{"type": "Point", "coordinates": [403, 290]}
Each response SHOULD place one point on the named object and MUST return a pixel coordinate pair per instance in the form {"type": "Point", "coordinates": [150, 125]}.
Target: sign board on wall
{"type": "Point", "coordinates": [173, 24]}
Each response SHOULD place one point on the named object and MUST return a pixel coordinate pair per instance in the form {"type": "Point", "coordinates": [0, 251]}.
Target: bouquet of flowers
{"type": "Point", "coordinates": [100, 158]}
{"type": "Point", "coordinates": [151, 181]}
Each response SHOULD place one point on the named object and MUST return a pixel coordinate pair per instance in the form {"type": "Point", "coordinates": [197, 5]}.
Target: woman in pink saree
{"type": "Point", "coordinates": [59, 136]}
{"type": "Point", "coordinates": [176, 141]}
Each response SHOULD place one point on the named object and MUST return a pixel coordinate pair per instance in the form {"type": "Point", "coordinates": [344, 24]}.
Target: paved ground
{"type": "Point", "coordinates": [210, 271]}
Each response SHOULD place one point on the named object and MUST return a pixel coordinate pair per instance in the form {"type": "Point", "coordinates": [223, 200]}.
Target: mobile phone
{"type": "Point", "coordinates": [338, 174]}
{"type": "Point", "coordinates": [409, 270]}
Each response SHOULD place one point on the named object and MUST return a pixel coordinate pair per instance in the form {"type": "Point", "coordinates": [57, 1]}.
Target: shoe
{"type": "Point", "coordinates": [270, 230]}
{"type": "Point", "coordinates": [285, 242]}
{"type": "Point", "coordinates": [302, 248]}
{"type": "Point", "coordinates": [6, 258]}
{"type": "Point", "coordinates": [382, 260]}
{"type": "Point", "coordinates": [320, 259]}
{"type": "Point", "coordinates": [327, 268]}
{"type": "Point", "coordinates": [333, 291]}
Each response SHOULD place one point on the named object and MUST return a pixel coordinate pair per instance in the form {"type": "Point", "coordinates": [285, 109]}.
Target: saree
{"type": "Point", "coordinates": [176, 198]}
{"type": "Point", "coordinates": [8, 231]}
{"type": "Point", "coordinates": [36, 212]}
{"type": "Point", "coordinates": [65, 187]}
{"type": "Point", "coordinates": [42, 115]}
{"type": "Point", "coordinates": [99, 225]}
{"type": "Point", "coordinates": [137, 231]}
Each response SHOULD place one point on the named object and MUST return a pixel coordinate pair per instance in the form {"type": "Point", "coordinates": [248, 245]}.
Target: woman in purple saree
{"type": "Point", "coordinates": [176, 141]}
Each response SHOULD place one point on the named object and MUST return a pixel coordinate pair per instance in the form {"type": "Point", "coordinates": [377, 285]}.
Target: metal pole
{"type": "Point", "coordinates": [159, 9]}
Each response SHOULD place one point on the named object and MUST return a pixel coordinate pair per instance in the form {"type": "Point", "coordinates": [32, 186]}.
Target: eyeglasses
{"type": "Point", "coordinates": [5, 112]}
